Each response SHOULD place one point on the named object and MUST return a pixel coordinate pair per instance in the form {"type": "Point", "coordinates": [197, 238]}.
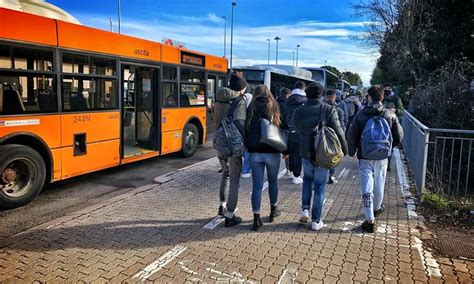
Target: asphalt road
{"type": "Point", "coordinates": [62, 198]}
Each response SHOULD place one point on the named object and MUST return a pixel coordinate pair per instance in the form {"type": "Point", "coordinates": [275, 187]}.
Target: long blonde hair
{"type": "Point", "coordinates": [271, 105]}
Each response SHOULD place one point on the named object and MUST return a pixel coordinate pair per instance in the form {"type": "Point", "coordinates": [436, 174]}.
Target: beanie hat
{"type": "Point", "coordinates": [237, 83]}
{"type": "Point", "coordinates": [338, 93]}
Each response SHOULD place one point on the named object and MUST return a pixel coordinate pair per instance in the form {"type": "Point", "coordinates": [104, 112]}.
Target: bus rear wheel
{"type": "Point", "coordinates": [22, 175]}
{"type": "Point", "coordinates": [190, 140]}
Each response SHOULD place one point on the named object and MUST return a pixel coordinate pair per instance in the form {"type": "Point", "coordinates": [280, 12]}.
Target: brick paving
{"type": "Point", "coordinates": [157, 233]}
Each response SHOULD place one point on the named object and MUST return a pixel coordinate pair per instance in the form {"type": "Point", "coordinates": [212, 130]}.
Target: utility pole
{"type": "Point", "coordinates": [234, 3]}
{"type": "Point", "coordinates": [111, 24]}
{"type": "Point", "coordinates": [293, 58]}
{"type": "Point", "coordinates": [277, 38]}
{"type": "Point", "coordinates": [225, 34]}
{"type": "Point", "coordinates": [268, 51]}
{"type": "Point", "coordinates": [297, 48]}
{"type": "Point", "coordinates": [119, 20]}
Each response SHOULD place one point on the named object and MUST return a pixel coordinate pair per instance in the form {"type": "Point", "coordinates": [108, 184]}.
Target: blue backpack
{"type": "Point", "coordinates": [376, 142]}
{"type": "Point", "coordinates": [227, 140]}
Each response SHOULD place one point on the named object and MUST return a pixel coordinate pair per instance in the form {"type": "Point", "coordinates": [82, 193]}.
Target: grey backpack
{"type": "Point", "coordinates": [227, 140]}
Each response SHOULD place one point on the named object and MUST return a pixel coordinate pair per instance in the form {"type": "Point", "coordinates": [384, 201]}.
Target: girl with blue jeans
{"type": "Point", "coordinates": [262, 156]}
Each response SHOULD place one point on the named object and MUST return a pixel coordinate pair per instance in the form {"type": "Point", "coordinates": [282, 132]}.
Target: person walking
{"type": "Point", "coordinates": [353, 106]}
{"type": "Point", "coordinates": [296, 100]}
{"type": "Point", "coordinates": [340, 102]}
{"type": "Point", "coordinates": [285, 93]}
{"type": "Point", "coordinates": [262, 156]}
{"type": "Point", "coordinates": [393, 103]}
{"type": "Point", "coordinates": [307, 118]}
{"type": "Point", "coordinates": [331, 100]}
{"type": "Point", "coordinates": [231, 98]}
{"type": "Point", "coordinates": [245, 156]}
{"type": "Point", "coordinates": [374, 131]}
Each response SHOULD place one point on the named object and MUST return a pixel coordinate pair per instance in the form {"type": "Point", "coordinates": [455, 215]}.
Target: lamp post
{"type": "Point", "coordinates": [111, 25]}
{"type": "Point", "coordinates": [297, 48]}
{"type": "Point", "coordinates": [293, 58]}
{"type": "Point", "coordinates": [234, 3]}
{"type": "Point", "coordinates": [268, 60]}
{"type": "Point", "coordinates": [277, 38]}
{"type": "Point", "coordinates": [225, 34]}
{"type": "Point", "coordinates": [119, 20]}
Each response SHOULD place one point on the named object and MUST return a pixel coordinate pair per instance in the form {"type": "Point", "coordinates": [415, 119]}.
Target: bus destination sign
{"type": "Point", "coordinates": [192, 59]}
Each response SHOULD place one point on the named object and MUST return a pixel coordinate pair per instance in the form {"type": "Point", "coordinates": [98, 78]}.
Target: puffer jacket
{"type": "Point", "coordinates": [253, 133]}
{"type": "Point", "coordinates": [307, 119]}
{"type": "Point", "coordinates": [340, 113]}
{"type": "Point", "coordinates": [224, 99]}
{"type": "Point", "coordinates": [294, 101]}
{"type": "Point", "coordinates": [357, 127]}
{"type": "Point", "coordinates": [281, 100]}
{"type": "Point", "coordinates": [353, 106]}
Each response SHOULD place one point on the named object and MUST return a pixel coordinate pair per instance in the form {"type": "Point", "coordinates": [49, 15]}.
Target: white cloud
{"type": "Point", "coordinates": [214, 18]}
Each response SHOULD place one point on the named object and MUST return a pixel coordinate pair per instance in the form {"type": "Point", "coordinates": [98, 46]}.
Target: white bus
{"type": "Point", "coordinates": [326, 78]}
{"type": "Point", "coordinates": [274, 77]}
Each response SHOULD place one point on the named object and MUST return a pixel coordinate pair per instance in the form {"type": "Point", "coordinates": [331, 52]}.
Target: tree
{"type": "Point", "coordinates": [352, 78]}
{"type": "Point", "coordinates": [332, 69]}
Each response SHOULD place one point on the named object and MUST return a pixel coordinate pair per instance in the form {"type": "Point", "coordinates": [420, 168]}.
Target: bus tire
{"type": "Point", "coordinates": [22, 175]}
{"type": "Point", "coordinates": [190, 141]}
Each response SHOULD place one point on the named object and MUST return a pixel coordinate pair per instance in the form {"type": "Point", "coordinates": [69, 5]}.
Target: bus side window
{"type": "Point", "coordinates": [170, 86]}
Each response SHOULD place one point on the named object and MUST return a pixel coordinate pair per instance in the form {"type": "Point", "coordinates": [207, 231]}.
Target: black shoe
{"type": "Point", "coordinates": [274, 212]}
{"type": "Point", "coordinates": [388, 167]}
{"type": "Point", "coordinates": [332, 180]}
{"type": "Point", "coordinates": [230, 222]}
{"type": "Point", "coordinates": [220, 171]}
{"type": "Point", "coordinates": [257, 223]}
{"type": "Point", "coordinates": [221, 211]}
{"type": "Point", "coordinates": [380, 211]}
{"type": "Point", "coordinates": [368, 227]}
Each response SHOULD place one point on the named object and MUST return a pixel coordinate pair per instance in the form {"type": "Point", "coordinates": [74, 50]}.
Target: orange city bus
{"type": "Point", "coordinates": [74, 100]}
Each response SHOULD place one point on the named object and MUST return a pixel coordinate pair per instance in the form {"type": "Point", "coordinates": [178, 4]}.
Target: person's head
{"type": "Point", "coordinates": [262, 93]}
{"type": "Point", "coordinates": [388, 87]}
{"type": "Point", "coordinates": [285, 92]}
{"type": "Point", "coordinates": [237, 83]}
{"type": "Point", "coordinates": [375, 93]}
{"type": "Point", "coordinates": [314, 91]}
{"type": "Point", "coordinates": [300, 85]}
{"type": "Point", "coordinates": [338, 94]}
{"type": "Point", "coordinates": [331, 95]}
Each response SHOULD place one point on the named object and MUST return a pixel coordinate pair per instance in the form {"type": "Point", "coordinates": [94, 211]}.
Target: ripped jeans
{"type": "Point", "coordinates": [372, 182]}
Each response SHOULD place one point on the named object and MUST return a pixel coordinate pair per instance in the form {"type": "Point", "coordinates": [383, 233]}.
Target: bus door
{"type": "Point", "coordinates": [139, 110]}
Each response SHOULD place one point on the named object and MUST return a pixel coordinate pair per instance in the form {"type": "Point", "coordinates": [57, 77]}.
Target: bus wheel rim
{"type": "Point", "coordinates": [191, 140]}
{"type": "Point", "coordinates": [17, 177]}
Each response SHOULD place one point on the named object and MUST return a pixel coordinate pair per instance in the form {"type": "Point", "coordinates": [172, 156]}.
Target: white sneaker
{"type": "Point", "coordinates": [317, 226]}
{"type": "Point", "coordinates": [246, 175]}
{"type": "Point", "coordinates": [304, 216]}
{"type": "Point", "coordinates": [287, 173]}
{"type": "Point", "coordinates": [291, 175]}
{"type": "Point", "coordinates": [297, 180]}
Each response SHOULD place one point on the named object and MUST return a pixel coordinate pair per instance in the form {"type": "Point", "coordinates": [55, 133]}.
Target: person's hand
{"type": "Point", "coordinates": [285, 157]}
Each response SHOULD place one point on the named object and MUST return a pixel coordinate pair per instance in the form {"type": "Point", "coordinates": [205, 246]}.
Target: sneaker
{"type": "Point", "coordinates": [257, 223]}
{"type": "Point", "coordinates": [380, 211]}
{"type": "Point", "coordinates": [287, 173]}
{"type": "Point", "coordinates": [388, 167]}
{"type": "Point", "coordinates": [297, 180]}
{"type": "Point", "coordinates": [291, 175]}
{"type": "Point", "coordinates": [221, 211]}
{"type": "Point", "coordinates": [332, 180]}
{"type": "Point", "coordinates": [316, 226]}
{"type": "Point", "coordinates": [274, 212]}
{"type": "Point", "coordinates": [220, 170]}
{"type": "Point", "coordinates": [304, 216]}
{"type": "Point", "coordinates": [368, 227]}
{"type": "Point", "coordinates": [246, 175]}
{"type": "Point", "coordinates": [230, 222]}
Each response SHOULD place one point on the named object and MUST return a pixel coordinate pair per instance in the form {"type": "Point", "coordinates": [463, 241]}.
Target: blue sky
{"type": "Point", "coordinates": [322, 27]}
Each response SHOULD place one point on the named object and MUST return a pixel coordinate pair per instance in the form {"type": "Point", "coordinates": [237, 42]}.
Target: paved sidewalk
{"type": "Point", "coordinates": [167, 233]}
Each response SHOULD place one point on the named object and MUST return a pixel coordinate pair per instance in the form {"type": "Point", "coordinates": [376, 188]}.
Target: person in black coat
{"type": "Point", "coordinates": [285, 93]}
{"type": "Point", "coordinates": [307, 118]}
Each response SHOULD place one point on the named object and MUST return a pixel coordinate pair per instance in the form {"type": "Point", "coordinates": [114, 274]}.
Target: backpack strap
{"type": "Point", "coordinates": [233, 106]}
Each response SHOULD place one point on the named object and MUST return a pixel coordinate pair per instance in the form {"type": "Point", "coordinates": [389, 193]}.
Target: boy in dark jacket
{"type": "Point", "coordinates": [232, 167]}
{"type": "Point", "coordinates": [393, 103]}
{"type": "Point", "coordinates": [296, 100]}
{"type": "Point", "coordinates": [307, 118]}
{"type": "Point", "coordinates": [372, 172]}
{"type": "Point", "coordinates": [285, 93]}
{"type": "Point", "coordinates": [331, 100]}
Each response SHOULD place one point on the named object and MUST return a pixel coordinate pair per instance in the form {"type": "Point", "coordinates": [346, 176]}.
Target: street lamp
{"type": "Point", "coordinates": [225, 34]}
{"type": "Point", "coordinates": [277, 38]}
{"type": "Point", "coordinates": [268, 51]}
{"type": "Point", "coordinates": [293, 58]}
{"type": "Point", "coordinates": [118, 9]}
{"type": "Point", "coordinates": [297, 48]}
{"type": "Point", "coordinates": [234, 3]}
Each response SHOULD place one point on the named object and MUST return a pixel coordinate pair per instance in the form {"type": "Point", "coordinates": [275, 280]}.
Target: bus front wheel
{"type": "Point", "coordinates": [190, 140]}
{"type": "Point", "coordinates": [22, 175]}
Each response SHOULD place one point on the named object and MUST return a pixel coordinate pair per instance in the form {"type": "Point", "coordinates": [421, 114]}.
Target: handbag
{"type": "Point", "coordinates": [273, 136]}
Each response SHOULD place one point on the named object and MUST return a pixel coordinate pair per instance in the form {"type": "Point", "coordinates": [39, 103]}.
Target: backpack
{"type": "Point", "coordinates": [327, 147]}
{"type": "Point", "coordinates": [352, 109]}
{"type": "Point", "coordinates": [376, 141]}
{"type": "Point", "coordinates": [227, 140]}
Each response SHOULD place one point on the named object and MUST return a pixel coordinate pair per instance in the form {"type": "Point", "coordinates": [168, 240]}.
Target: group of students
{"type": "Point", "coordinates": [299, 112]}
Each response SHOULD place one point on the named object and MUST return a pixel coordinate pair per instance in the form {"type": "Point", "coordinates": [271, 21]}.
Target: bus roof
{"type": "Point", "coordinates": [320, 69]}
{"type": "Point", "coordinates": [21, 27]}
{"type": "Point", "coordinates": [280, 69]}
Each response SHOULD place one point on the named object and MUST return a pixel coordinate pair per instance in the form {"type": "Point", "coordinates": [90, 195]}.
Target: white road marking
{"type": "Point", "coordinates": [158, 264]}
{"type": "Point", "coordinates": [216, 222]}
{"type": "Point", "coordinates": [429, 263]}
{"type": "Point", "coordinates": [326, 207]}
{"type": "Point", "coordinates": [341, 173]}
{"type": "Point", "coordinates": [348, 226]}
{"type": "Point", "coordinates": [288, 276]}
{"type": "Point", "coordinates": [235, 277]}
{"type": "Point", "coordinates": [384, 229]}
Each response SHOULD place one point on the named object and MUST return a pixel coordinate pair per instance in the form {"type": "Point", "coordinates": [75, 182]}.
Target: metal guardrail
{"type": "Point", "coordinates": [440, 159]}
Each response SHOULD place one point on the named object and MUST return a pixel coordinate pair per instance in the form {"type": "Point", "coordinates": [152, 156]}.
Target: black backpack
{"type": "Point", "coordinates": [227, 140]}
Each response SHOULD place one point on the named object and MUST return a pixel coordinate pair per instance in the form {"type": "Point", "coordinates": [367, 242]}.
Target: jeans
{"type": "Point", "coordinates": [258, 163]}
{"type": "Point", "coordinates": [332, 172]}
{"type": "Point", "coordinates": [372, 183]}
{"type": "Point", "coordinates": [314, 179]}
{"type": "Point", "coordinates": [231, 169]}
{"type": "Point", "coordinates": [246, 164]}
{"type": "Point", "coordinates": [294, 155]}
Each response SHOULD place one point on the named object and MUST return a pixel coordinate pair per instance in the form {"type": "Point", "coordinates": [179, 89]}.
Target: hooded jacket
{"type": "Point", "coordinates": [308, 117]}
{"type": "Point", "coordinates": [340, 113]}
{"type": "Point", "coordinates": [281, 100]}
{"type": "Point", "coordinates": [394, 102]}
{"type": "Point", "coordinates": [353, 106]}
{"type": "Point", "coordinates": [293, 102]}
{"type": "Point", "coordinates": [224, 99]}
{"type": "Point", "coordinates": [253, 131]}
{"type": "Point", "coordinates": [357, 127]}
